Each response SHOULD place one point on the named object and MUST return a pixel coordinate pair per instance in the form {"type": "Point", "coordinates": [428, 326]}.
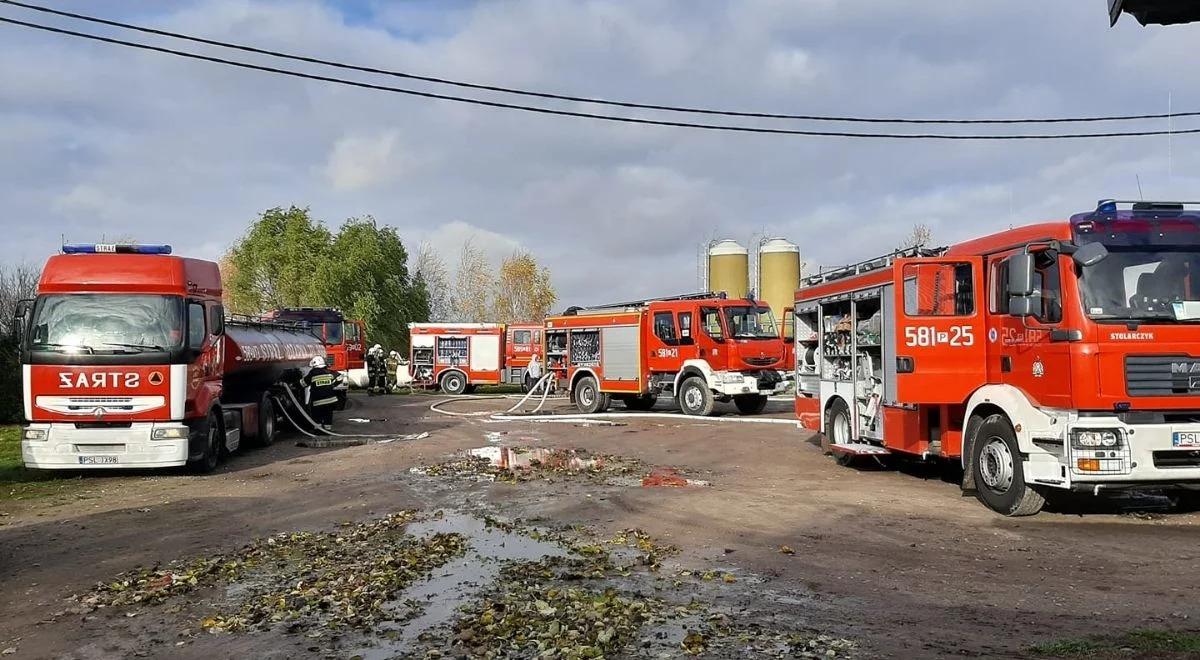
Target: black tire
{"type": "Point", "coordinates": [996, 464]}
{"type": "Point", "coordinates": [454, 383]}
{"type": "Point", "coordinates": [589, 400]}
{"type": "Point", "coordinates": [267, 421]}
{"type": "Point", "coordinates": [750, 404]}
{"type": "Point", "coordinates": [837, 429]}
{"type": "Point", "coordinates": [694, 397]}
{"type": "Point", "coordinates": [210, 430]}
{"type": "Point", "coordinates": [470, 389]}
{"type": "Point", "coordinates": [641, 403]}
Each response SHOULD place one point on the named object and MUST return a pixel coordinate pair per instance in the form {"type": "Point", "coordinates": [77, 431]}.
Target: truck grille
{"type": "Point", "coordinates": [761, 361]}
{"type": "Point", "coordinates": [1162, 375]}
{"type": "Point", "coordinates": [1177, 458]}
{"type": "Point", "coordinates": [88, 405]}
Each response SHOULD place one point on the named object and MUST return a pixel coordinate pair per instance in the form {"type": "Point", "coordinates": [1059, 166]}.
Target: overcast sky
{"type": "Point", "coordinates": [101, 140]}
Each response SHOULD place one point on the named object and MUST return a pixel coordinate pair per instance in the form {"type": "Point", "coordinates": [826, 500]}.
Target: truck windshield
{"type": "Point", "coordinates": [106, 323]}
{"type": "Point", "coordinates": [333, 333]}
{"type": "Point", "coordinates": [1144, 283]}
{"type": "Point", "coordinates": [751, 322]}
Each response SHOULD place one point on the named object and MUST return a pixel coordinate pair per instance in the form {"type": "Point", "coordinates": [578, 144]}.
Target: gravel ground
{"type": "Point", "coordinates": [783, 552]}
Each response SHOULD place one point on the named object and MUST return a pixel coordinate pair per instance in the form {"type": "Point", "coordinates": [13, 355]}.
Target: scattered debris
{"type": "Point", "coordinates": [786, 550]}
{"type": "Point", "coordinates": [670, 477]}
{"type": "Point", "coordinates": [521, 464]}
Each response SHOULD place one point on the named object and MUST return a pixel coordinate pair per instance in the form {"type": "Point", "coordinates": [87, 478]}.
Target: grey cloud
{"type": "Point", "coordinates": [100, 140]}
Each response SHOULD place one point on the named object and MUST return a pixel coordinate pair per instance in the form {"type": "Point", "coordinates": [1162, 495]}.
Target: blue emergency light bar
{"type": "Point", "coordinates": [114, 248]}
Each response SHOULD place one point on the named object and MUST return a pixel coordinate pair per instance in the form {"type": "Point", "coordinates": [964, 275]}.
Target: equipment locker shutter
{"type": "Point", "coordinates": [485, 352]}
{"type": "Point", "coordinates": [619, 352]}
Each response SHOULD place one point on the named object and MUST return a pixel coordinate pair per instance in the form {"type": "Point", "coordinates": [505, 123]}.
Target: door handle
{"type": "Point", "coordinates": [905, 365]}
{"type": "Point", "coordinates": [1005, 364]}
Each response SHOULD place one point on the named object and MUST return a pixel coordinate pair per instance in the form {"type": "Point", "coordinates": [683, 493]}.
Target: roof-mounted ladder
{"type": "Point", "coordinates": [869, 265]}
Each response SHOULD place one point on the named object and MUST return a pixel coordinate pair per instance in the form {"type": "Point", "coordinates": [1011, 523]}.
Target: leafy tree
{"type": "Point", "coordinates": [368, 275]}
{"type": "Point", "coordinates": [523, 290]}
{"type": "Point", "coordinates": [275, 264]}
{"type": "Point", "coordinates": [289, 259]}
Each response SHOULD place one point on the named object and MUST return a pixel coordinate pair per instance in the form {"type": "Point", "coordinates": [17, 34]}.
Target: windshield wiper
{"type": "Point", "coordinates": [63, 347]}
{"type": "Point", "coordinates": [143, 347]}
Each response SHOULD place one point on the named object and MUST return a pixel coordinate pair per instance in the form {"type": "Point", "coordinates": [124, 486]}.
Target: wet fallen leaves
{"type": "Point", "coordinates": [523, 464]}
{"type": "Point", "coordinates": [307, 580]}
{"type": "Point", "coordinates": [539, 609]}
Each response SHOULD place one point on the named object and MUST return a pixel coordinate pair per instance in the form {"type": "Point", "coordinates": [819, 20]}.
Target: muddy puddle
{"type": "Point", "coordinates": [456, 584]}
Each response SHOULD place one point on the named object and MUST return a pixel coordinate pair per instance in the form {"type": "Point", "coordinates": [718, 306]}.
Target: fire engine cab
{"type": "Point", "coordinates": [1057, 356]}
{"type": "Point", "coordinates": [699, 348]}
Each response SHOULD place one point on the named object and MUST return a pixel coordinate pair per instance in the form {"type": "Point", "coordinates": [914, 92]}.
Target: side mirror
{"type": "Point", "coordinates": [1025, 306]}
{"type": "Point", "coordinates": [1089, 254]}
{"type": "Point", "coordinates": [1020, 275]}
{"type": "Point", "coordinates": [216, 320]}
{"type": "Point", "coordinates": [21, 319]}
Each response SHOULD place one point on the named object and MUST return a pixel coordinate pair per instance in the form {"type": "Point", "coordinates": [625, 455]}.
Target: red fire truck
{"type": "Point", "coordinates": [129, 362]}
{"type": "Point", "coordinates": [345, 340]}
{"type": "Point", "coordinates": [457, 357]}
{"type": "Point", "coordinates": [1058, 356]}
{"type": "Point", "coordinates": [699, 348]}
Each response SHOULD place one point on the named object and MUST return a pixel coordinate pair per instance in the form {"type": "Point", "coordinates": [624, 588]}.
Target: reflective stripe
{"type": "Point", "coordinates": [325, 402]}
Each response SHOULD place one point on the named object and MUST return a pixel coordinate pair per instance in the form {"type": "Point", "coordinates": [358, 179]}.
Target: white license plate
{"type": "Point", "coordinates": [97, 460]}
{"type": "Point", "coordinates": [1186, 439]}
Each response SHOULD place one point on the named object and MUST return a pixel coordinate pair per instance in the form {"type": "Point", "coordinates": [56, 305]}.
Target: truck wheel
{"type": "Point", "coordinates": [266, 421]}
{"type": "Point", "coordinates": [641, 402]}
{"type": "Point", "coordinates": [695, 398]}
{"type": "Point", "coordinates": [588, 397]}
{"type": "Point", "coordinates": [999, 477]}
{"type": "Point", "coordinates": [454, 383]}
{"type": "Point", "coordinates": [750, 404]}
{"type": "Point", "coordinates": [211, 431]}
{"type": "Point", "coordinates": [837, 429]}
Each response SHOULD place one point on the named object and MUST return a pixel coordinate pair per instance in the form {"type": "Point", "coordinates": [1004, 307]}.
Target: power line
{"type": "Point", "coordinates": [584, 115]}
{"type": "Point", "coordinates": [583, 99]}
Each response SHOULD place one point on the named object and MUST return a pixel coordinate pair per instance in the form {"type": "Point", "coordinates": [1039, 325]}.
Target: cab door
{"type": "Point", "coordinates": [940, 342]}
{"type": "Point", "coordinates": [662, 346]}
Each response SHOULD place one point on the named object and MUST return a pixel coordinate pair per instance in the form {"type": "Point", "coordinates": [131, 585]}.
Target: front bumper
{"type": "Point", "coordinates": [1147, 456]}
{"type": "Point", "coordinates": [736, 384]}
{"type": "Point", "coordinates": [69, 448]}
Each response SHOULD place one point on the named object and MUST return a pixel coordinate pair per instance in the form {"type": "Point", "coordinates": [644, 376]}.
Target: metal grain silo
{"type": "Point", "coordinates": [728, 268]}
{"type": "Point", "coordinates": [778, 276]}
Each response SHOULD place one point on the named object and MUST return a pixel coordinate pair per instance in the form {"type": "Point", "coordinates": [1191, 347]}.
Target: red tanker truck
{"type": "Point", "coordinates": [129, 362]}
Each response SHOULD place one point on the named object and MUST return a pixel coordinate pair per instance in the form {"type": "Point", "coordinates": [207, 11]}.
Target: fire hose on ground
{"type": "Point", "coordinates": [580, 418]}
{"type": "Point", "coordinates": [317, 427]}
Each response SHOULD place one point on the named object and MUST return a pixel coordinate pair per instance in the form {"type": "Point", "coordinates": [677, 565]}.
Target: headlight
{"type": "Point", "coordinates": [732, 378]}
{"type": "Point", "coordinates": [34, 434]}
{"type": "Point", "coordinates": [169, 434]}
{"type": "Point", "coordinates": [1097, 438]}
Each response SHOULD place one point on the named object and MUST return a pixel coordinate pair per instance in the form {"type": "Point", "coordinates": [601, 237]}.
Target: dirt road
{"type": "Point", "coordinates": [897, 562]}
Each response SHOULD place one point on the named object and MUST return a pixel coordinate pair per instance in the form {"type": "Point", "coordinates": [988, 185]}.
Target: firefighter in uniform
{"type": "Point", "coordinates": [533, 373]}
{"type": "Point", "coordinates": [376, 371]}
{"type": "Point", "coordinates": [319, 393]}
